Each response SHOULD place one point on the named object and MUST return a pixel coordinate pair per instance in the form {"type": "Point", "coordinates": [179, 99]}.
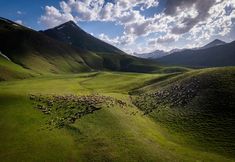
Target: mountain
{"type": "Point", "coordinates": [71, 34]}
{"type": "Point", "coordinates": [36, 51]}
{"type": "Point", "coordinates": [78, 51]}
{"type": "Point", "coordinates": [152, 55]}
{"type": "Point", "coordinates": [217, 56]}
{"type": "Point", "coordinates": [102, 56]}
{"type": "Point", "coordinates": [160, 53]}
{"type": "Point", "coordinates": [156, 54]}
{"type": "Point", "coordinates": [214, 43]}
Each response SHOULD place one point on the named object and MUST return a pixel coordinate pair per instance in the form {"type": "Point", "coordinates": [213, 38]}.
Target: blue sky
{"type": "Point", "coordinates": [133, 25]}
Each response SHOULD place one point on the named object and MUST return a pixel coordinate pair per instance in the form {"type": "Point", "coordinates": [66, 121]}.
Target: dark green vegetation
{"type": "Point", "coordinates": [115, 132]}
{"type": "Point", "coordinates": [217, 56]}
{"type": "Point", "coordinates": [198, 105]}
{"type": "Point", "coordinates": [45, 55]}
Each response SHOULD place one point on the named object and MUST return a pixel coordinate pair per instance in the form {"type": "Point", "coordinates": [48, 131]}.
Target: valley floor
{"type": "Point", "coordinates": [110, 134]}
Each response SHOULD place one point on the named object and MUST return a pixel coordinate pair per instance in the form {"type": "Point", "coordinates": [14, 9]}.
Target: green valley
{"type": "Point", "coordinates": [110, 134]}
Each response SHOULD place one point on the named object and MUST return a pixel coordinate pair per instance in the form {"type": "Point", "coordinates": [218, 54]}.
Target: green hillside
{"type": "Point", "coordinates": [10, 70]}
{"type": "Point", "coordinates": [198, 106]}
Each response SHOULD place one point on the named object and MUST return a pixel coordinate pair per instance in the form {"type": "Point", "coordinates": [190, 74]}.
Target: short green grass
{"type": "Point", "coordinates": [10, 70]}
{"type": "Point", "coordinates": [110, 134]}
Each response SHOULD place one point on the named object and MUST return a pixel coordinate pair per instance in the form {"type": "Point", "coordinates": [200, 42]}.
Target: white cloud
{"type": "Point", "coordinates": [65, 7]}
{"type": "Point", "coordinates": [219, 23]}
{"type": "Point", "coordinates": [54, 17]}
{"type": "Point", "coordinates": [19, 22]}
{"type": "Point", "coordinates": [191, 20]}
{"type": "Point", "coordinates": [169, 38]}
{"type": "Point", "coordinates": [123, 40]}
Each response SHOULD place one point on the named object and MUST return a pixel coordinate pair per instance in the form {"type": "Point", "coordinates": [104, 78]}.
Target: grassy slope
{"type": "Point", "coordinates": [198, 106]}
{"type": "Point", "coordinates": [110, 134]}
{"type": "Point", "coordinates": [10, 70]}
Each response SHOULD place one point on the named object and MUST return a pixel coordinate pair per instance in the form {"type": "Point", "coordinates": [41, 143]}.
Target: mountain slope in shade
{"type": "Point", "coordinates": [106, 56]}
{"type": "Point", "coordinates": [71, 34]}
{"type": "Point", "coordinates": [43, 54]}
{"type": "Point", "coordinates": [38, 52]}
{"type": "Point", "coordinates": [218, 56]}
{"type": "Point", "coordinates": [214, 43]}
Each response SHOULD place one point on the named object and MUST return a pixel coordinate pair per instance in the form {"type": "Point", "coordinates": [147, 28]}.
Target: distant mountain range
{"type": "Point", "coordinates": [160, 53]}
{"type": "Point", "coordinates": [214, 54]}
{"type": "Point", "coordinates": [64, 49]}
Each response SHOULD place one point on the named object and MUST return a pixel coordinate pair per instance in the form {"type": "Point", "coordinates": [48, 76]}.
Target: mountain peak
{"type": "Point", "coordinates": [70, 33]}
{"type": "Point", "coordinates": [214, 43]}
{"type": "Point", "coordinates": [71, 23]}
{"type": "Point", "coordinates": [68, 24]}
{"type": "Point", "coordinates": [218, 41]}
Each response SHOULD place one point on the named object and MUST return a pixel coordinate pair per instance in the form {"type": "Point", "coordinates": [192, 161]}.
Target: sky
{"type": "Point", "coordinates": [133, 25]}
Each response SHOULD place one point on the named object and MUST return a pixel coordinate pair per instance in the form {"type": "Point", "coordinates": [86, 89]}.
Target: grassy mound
{"type": "Point", "coordinates": [198, 105]}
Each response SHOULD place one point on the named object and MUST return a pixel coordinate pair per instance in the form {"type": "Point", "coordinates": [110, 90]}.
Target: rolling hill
{"type": "Point", "coordinates": [198, 105]}
{"type": "Point", "coordinates": [111, 133]}
{"type": "Point", "coordinates": [216, 56]}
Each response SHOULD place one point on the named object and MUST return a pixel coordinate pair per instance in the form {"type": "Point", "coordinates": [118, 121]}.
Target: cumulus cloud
{"type": "Point", "coordinates": [122, 40]}
{"type": "Point", "coordinates": [167, 39]}
{"type": "Point", "coordinates": [191, 12]}
{"type": "Point", "coordinates": [219, 23]}
{"type": "Point", "coordinates": [54, 17]}
{"type": "Point", "coordinates": [191, 20]}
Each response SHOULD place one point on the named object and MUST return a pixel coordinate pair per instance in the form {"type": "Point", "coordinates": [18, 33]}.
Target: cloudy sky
{"type": "Point", "coordinates": [133, 25]}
